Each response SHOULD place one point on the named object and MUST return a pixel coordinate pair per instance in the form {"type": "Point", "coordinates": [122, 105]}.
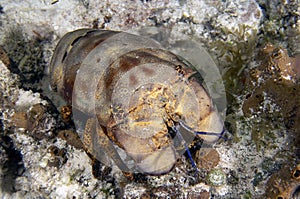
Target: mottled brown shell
{"type": "Point", "coordinates": [137, 103]}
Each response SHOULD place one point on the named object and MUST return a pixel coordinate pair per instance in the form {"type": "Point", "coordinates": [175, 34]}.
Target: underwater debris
{"type": "Point", "coordinates": [59, 156]}
{"type": "Point", "coordinates": [36, 121]}
{"type": "Point", "coordinates": [66, 113]}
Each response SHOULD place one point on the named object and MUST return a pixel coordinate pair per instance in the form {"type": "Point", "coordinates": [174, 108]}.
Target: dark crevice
{"type": "Point", "coordinates": [13, 167]}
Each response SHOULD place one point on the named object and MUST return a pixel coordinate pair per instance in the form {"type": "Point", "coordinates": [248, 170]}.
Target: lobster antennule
{"type": "Point", "coordinates": [185, 145]}
{"type": "Point", "coordinates": [220, 135]}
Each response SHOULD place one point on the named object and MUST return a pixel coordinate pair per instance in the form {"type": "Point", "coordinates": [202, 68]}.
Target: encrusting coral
{"type": "Point", "coordinates": [275, 81]}
{"type": "Point", "coordinates": [284, 184]}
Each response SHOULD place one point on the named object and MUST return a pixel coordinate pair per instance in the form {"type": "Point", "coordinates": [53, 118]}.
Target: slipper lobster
{"type": "Point", "coordinates": [134, 102]}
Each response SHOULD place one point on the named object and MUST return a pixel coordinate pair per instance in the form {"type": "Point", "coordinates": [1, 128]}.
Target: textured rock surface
{"type": "Point", "coordinates": [34, 166]}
